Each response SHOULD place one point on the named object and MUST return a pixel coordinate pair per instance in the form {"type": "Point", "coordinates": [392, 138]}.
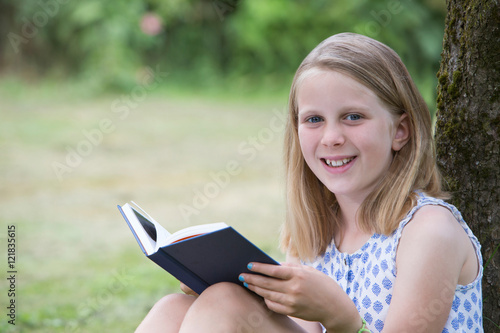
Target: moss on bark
{"type": "Point", "coordinates": [467, 129]}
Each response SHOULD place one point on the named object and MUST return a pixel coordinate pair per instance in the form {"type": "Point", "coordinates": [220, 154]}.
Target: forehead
{"type": "Point", "coordinates": [322, 88]}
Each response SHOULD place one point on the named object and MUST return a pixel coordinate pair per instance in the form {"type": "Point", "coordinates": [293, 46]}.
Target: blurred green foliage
{"type": "Point", "coordinates": [205, 41]}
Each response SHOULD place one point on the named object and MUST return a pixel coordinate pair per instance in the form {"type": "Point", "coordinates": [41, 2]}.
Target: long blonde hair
{"type": "Point", "coordinates": [312, 215]}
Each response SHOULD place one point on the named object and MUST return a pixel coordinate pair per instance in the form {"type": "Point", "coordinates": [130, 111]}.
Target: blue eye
{"type": "Point", "coordinates": [353, 116]}
{"type": "Point", "coordinates": [313, 119]}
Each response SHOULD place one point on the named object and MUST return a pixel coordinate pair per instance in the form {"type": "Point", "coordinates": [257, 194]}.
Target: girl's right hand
{"type": "Point", "coordinates": [188, 291]}
{"type": "Point", "coordinates": [303, 292]}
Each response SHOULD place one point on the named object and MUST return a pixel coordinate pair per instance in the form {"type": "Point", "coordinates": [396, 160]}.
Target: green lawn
{"type": "Point", "coordinates": [67, 160]}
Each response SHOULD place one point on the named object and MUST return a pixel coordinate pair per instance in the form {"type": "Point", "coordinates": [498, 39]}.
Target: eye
{"type": "Point", "coordinates": [353, 116]}
{"type": "Point", "coordinates": [313, 119]}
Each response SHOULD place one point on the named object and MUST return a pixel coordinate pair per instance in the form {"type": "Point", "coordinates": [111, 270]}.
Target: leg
{"type": "Point", "coordinates": [228, 307]}
{"type": "Point", "coordinates": [167, 314]}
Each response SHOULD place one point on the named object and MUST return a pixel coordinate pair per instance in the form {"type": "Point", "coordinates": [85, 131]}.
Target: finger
{"type": "Point", "coordinates": [188, 291]}
{"type": "Point", "coordinates": [289, 264]}
{"type": "Point", "coordinates": [269, 295]}
{"type": "Point", "coordinates": [278, 307]}
{"type": "Point", "coordinates": [275, 271]}
{"type": "Point", "coordinates": [262, 281]}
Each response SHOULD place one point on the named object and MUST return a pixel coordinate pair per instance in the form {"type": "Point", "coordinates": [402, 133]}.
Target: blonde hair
{"type": "Point", "coordinates": [312, 215]}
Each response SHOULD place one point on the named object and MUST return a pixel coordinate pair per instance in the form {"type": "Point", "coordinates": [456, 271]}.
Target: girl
{"type": "Point", "coordinates": [371, 245]}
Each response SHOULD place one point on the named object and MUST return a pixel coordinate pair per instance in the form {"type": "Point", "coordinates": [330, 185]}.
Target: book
{"type": "Point", "coordinates": [198, 256]}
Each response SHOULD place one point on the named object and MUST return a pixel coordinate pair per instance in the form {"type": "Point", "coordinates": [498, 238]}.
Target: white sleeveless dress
{"type": "Point", "coordinates": [368, 276]}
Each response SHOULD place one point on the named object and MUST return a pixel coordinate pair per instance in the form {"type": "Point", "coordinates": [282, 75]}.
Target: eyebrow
{"type": "Point", "coordinates": [349, 108]}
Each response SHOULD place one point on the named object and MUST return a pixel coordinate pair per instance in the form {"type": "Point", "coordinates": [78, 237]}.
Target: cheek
{"type": "Point", "coordinates": [307, 142]}
{"type": "Point", "coordinates": [377, 144]}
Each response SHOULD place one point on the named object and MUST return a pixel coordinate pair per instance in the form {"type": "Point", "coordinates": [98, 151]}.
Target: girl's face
{"type": "Point", "coordinates": [346, 134]}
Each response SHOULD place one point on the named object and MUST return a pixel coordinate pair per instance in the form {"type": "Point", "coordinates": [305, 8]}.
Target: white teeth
{"type": "Point", "coordinates": [338, 163]}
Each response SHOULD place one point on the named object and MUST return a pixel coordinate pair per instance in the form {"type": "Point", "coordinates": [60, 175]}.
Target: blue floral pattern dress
{"type": "Point", "coordinates": [368, 277]}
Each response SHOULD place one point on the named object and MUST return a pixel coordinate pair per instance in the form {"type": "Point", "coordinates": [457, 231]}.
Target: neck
{"type": "Point", "coordinates": [350, 238]}
{"type": "Point", "coordinates": [348, 210]}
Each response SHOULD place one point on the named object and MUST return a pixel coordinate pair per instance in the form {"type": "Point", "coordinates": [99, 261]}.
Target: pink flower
{"type": "Point", "coordinates": [151, 24]}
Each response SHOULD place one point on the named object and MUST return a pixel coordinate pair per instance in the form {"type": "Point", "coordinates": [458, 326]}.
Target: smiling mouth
{"type": "Point", "coordinates": [337, 163]}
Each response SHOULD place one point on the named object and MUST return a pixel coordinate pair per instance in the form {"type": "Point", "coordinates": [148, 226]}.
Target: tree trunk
{"type": "Point", "coordinates": [467, 130]}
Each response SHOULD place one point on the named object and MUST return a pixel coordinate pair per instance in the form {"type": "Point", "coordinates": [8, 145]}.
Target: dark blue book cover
{"type": "Point", "coordinates": [201, 261]}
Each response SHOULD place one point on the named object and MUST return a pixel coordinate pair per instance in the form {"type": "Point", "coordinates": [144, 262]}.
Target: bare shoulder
{"type": "Point", "coordinates": [433, 256]}
{"type": "Point", "coordinates": [434, 222]}
{"type": "Point", "coordinates": [435, 233]}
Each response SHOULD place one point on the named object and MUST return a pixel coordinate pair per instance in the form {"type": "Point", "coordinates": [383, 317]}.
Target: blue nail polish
{"type": "Point", "coordinates": [249, 266]}
{"type": "Point", "coordinates": [241, 278]}
{"type": "Point", "coordinates": [245, 285]}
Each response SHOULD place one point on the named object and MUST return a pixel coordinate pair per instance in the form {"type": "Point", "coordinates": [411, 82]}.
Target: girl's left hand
{"type": "Point", "coordinates": [188, 291]}
{"type": "Point", "coordinates": [303, 292]}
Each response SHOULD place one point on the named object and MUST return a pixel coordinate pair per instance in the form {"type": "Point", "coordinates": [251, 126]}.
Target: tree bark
{"type": "Point", "coordinates": [467, 130]}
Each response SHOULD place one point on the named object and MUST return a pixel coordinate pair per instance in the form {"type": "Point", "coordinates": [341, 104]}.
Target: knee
{"type": "Point", "coordinates": [229, 297]}
{"type": "Point", "coordinates": [167, 314]}
{"type": "Point", "coordinates": [173, 303]}
{"type": "Point", "coordinates": [225, 291]}
{"type": "Point", "coordinates": [236, 308]}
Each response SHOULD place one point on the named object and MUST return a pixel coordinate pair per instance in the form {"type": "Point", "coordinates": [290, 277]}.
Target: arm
{"type": "Point", "coordinates": [309, 326]}
{"type": "Point", "coordinates": [303, 292]}
{"type": "Point", "coordinates": [430, 260]}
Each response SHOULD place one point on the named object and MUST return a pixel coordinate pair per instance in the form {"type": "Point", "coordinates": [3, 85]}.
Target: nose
{"type": "Point", "coordinates": [333, 136]}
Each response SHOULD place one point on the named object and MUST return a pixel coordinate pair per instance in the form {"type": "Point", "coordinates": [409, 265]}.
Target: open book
{"type": "Point", "coordinates": [198, 256]}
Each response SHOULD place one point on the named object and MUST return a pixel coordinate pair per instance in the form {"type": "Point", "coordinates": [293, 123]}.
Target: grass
{"type": "Point", "coordinates": [78, 267]}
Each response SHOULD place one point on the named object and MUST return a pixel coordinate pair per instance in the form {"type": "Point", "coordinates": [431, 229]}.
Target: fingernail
{"type": "Point", "coordinates": [245, 285]}
{"type": "Point", "coordinates": [241, 278]}
{"type": "Point", "coordinates": [249, 266]}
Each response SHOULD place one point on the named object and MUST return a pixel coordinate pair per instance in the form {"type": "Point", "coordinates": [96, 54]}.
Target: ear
{"type": "Point", "coordinates": [402, 133]}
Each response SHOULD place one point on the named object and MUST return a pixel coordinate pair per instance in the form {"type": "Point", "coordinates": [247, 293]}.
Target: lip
{"type": "Point", "coordinates": [340, 169]}
{"type": "Point", "coordinates": [337, 157]}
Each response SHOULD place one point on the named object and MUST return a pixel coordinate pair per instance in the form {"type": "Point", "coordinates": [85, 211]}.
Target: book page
{"type": "Point", "coordinates": [161, 233]}
{"type": "Point", "coordinates": [153, 236]}
{"type": "Point", "coordinates": [193, 231]}
{"type": "Point", "coordinates": [143, 230]}
{"type": "Point", "coordinates": [147, 231]}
